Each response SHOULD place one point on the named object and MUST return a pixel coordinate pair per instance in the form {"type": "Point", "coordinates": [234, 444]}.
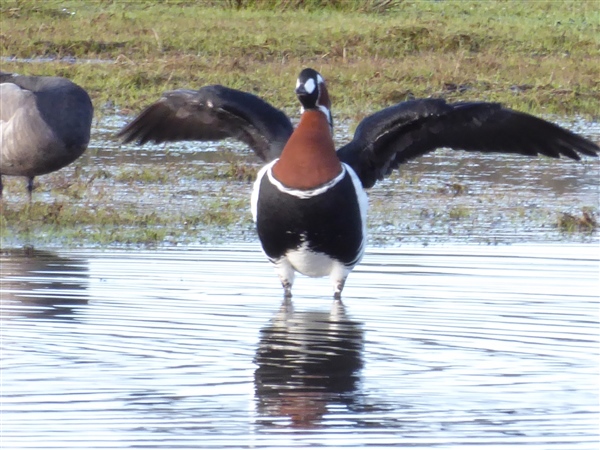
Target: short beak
{"type": "Point", "coordinates": [300, 90]}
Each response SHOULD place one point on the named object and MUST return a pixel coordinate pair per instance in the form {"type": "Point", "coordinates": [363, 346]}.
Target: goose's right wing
{"type": "Point", "coordinates": [212, 113]}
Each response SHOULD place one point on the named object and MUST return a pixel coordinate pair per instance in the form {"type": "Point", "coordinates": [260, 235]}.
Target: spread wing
{"type": "Point", "coordinates": [402, 132]}
{"type": "Point", "coordinates": [212, 113]}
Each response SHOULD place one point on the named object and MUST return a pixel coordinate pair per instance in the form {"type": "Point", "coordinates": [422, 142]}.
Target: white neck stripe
{"type": "Point", "coordinates": [327, 113]}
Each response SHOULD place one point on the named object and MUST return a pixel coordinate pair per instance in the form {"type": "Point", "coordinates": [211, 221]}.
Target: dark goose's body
{"type": "Point", "coordinates": [45, 124]}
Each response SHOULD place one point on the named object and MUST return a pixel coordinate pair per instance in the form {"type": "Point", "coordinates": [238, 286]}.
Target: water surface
{"type": "Point", "coordinates": [434, 347]}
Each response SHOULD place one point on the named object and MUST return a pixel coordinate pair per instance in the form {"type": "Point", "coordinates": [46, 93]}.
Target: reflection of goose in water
{"type": "Point", "coordinates": [307, 361]}
{"type": "Point", "coordinates": [40, 284]}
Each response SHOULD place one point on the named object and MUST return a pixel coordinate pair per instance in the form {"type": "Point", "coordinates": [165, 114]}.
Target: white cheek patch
{"type": "Point", "coordinates": [310, 86]}
{"type": "Point", "coordinates": [320, 79]}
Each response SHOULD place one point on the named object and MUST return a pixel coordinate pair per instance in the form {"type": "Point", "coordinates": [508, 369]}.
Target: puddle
{"type": "Point", "coordinates": [450, 346]}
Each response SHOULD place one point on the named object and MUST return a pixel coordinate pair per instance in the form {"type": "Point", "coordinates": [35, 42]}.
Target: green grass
{"type": "Point", "coordinates": [92, 223]}
{"type": "Point", "coordinates": [536, 56]}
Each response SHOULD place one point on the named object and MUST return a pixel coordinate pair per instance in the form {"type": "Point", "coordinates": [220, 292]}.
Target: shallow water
{"type": "Point", "coordinates": [436, 347]}
{"type": "Point", "coordinates": [504, 198]}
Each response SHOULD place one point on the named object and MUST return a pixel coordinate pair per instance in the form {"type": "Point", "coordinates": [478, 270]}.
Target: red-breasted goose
{"type": "Point", "coordinates": [309, 202]}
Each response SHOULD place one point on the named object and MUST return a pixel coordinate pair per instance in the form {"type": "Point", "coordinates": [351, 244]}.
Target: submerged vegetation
{"type": "Point", "coordinates": [540, 57]}
{"type": "Point", "coordinates": [585, 222]}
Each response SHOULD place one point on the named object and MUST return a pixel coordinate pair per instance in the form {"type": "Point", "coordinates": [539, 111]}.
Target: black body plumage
{"type": "Point", "coordinates": [329, 223]}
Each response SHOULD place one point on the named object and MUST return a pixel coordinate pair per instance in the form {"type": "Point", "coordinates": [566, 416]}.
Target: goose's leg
{"type": "Point", "coordinates": [30, 188]}
{"type": "Point", "coordinates": [287, 289]}
{"type": "Point", "coordinates": [337, 295]}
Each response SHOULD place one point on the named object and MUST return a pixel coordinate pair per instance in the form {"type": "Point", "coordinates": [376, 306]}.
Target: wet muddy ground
{"type": "Point", "coordinates": [196, 193]}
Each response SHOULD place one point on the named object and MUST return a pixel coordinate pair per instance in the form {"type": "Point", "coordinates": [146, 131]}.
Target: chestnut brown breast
{"type": "Point", "coordinates": [308, 160]}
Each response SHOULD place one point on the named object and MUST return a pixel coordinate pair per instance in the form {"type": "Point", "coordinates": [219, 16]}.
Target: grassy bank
{"type": "Point", "coordinates": [536, 56]}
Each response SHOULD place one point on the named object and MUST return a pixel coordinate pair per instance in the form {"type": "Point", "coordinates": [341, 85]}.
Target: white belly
{"type": "Point", "coordinates": [311, 263]}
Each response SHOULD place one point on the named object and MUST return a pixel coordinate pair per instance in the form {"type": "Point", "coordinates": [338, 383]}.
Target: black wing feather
{"type": "Point", "coordinates": [405, 131]}
{"type": "Point", "coordinates": [212, 113]}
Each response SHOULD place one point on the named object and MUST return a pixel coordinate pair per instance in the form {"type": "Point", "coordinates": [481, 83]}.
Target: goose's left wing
{"type": "Point", "coordinates": [394, 135]}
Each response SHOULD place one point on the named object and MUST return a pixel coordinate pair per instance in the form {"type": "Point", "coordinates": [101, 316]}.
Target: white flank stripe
{"type": "Point", "coordinates": [301, 193]}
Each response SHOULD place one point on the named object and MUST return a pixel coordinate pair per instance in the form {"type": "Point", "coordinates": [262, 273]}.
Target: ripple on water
{"type": "Point", "coordinates": [448, 346]}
